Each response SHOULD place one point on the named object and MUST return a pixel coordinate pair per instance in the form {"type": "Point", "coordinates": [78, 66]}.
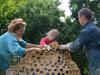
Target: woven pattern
{"type": "Point", "coordinates": [47, 63]}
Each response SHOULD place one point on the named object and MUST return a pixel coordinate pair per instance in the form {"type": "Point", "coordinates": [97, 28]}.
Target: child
{"type": "Point", "coordinates": [50, 38]}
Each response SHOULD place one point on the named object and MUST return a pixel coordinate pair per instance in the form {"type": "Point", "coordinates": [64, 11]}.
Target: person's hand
{"type": "Point", "coordinates": [47, 47]}
{"type": "Point", "coordinates": [54, 45]}
{"type": "Point", "coordinates": [62, 47]}
{"type": "Point", "coordinates": [65, 47]}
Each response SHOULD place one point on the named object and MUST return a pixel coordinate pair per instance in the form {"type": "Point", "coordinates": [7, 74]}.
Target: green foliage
{"type": "Point", "coordinates": [40, 15]}
{"type": "Point", "coordinates": [43, 15]}
{"type": "Point", "coordinates": [7, 11]}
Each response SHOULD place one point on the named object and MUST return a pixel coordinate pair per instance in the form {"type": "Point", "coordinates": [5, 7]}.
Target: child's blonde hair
{"type": "Point", "coordinates": [53, 31]}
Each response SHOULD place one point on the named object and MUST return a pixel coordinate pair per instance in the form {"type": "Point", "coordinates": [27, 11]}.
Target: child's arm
{"type": "Point", "coordinates": [43, 43]}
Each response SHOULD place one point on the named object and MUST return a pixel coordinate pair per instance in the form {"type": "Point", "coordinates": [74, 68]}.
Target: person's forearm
{"type": "Point", "coordinates": [28, 49]}
{"type": "Point", "coordinates": [68, 47]}
{"type": "Point", "coordinates": [31, 45]}
{"type": "Point", "coordinates": [32, 49]}
{"type": "Point", "coordinates": [65, 47]}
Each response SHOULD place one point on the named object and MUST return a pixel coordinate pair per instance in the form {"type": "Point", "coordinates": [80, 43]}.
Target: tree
{"type": "Point", "coordinates": [7, 10]}
{"type": "Point", "coordinates": [40, 15]}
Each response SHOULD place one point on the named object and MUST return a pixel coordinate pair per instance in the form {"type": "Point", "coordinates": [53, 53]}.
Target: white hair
{"type": "Point", "coordinates": [53, 31]}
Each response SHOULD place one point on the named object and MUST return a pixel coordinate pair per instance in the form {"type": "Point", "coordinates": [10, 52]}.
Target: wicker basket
{"type": "Point", "coordinates": [47, 63]}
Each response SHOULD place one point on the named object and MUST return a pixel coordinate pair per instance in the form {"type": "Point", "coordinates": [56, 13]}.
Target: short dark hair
{"type": "Point", "coordinates": [85, 12]}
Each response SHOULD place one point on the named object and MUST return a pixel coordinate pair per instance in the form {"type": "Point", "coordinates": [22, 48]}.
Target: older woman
{"type": "Point", "coordinates": [12, 44]}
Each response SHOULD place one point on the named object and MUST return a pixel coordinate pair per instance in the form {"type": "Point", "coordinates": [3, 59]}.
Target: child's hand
{"type": "Point", "coordinates": [54, 45]}
{"type": "Point", "coordinates": [47, 47]}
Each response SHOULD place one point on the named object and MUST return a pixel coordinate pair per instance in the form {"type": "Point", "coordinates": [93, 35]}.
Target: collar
{"type": "Point", "coordinates": [86, 24]}
{"type": "Point", "coordinates": [15, 35]}
{"type": "Point", "coordinates": [12, 34]}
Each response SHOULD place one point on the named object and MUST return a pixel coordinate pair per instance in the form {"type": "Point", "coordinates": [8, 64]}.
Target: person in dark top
{"type": "Point", "coordinates": [89, 38]}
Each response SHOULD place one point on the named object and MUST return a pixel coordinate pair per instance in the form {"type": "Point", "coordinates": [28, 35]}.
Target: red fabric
{"type": "Point", "coordinates": [45, 41]}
